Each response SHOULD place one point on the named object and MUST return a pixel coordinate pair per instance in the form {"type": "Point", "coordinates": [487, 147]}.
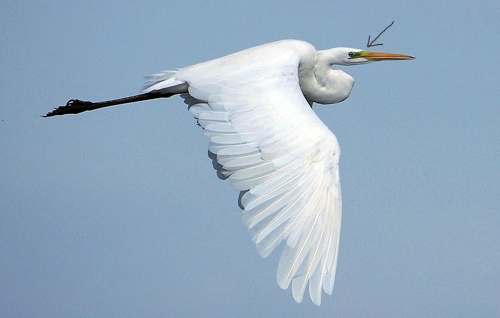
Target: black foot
{"type": "Point", "coordinates": [73, 106]}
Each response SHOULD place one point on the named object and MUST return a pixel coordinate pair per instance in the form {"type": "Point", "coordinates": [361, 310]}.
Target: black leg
{"type": "Point", "coordinates": [75, 106]}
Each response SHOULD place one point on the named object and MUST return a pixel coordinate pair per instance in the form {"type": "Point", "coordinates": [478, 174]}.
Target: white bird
{"type": "Point", "coordinates": [255, 107]}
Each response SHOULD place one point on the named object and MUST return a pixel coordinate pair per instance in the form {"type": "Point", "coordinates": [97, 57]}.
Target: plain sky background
{"type": "Point", "coordinates": [118, 212]}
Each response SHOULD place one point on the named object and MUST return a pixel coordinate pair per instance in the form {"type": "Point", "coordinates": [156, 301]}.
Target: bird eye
{"type": "Point", "coordinates": [351, 54]}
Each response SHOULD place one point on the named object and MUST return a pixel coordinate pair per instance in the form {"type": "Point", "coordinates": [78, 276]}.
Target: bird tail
{"type": "Point", "coordinates": [164, 82]}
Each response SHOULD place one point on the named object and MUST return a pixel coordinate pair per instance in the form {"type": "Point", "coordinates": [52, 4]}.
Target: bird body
{"type": "Point", "coordinates": [289, 58]}
{"type": "Point", "coordinates": [255, 108]}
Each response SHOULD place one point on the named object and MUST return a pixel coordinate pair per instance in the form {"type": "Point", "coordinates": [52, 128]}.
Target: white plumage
{"type": "Point", "coordinates": [271, 145]}
{"type": "Point", "coordinates": [255, 108]}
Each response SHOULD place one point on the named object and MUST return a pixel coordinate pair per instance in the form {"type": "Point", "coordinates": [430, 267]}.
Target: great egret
{"type": "Point", "coordinates": [255, 107]}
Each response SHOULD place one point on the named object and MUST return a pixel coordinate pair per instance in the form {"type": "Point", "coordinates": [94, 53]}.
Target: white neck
{"type": "Point", "coordinates": [320, 84]}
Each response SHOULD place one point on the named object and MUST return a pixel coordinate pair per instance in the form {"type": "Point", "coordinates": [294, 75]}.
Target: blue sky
{"type": "Point", "coordinates": [118, 213]}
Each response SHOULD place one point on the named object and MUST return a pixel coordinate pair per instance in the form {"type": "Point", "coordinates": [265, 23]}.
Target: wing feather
{"type": "Point", "coordinates": [266, 140]}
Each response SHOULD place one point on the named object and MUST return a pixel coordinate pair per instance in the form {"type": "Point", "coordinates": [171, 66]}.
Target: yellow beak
{"type": "Point", "coordinates": [377, 56]}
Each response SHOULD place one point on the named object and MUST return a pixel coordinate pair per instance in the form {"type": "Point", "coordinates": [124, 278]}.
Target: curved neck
{"type": "Point", "coordinates": [323, 85]}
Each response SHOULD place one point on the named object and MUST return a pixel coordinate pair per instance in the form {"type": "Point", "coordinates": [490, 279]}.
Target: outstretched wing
{"type": "Point", "coordinates": [266, 140]}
